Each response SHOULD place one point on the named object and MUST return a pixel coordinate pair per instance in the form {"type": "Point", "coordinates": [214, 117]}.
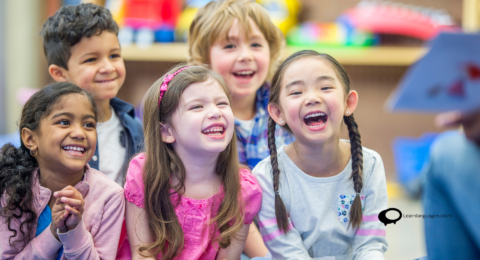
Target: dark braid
{"type": "Point", "coordinates": [357, 170]}
{"type": "Point", "coordinates": [356, 144]}
{"type": "Point", "coordinates": [280, 210]}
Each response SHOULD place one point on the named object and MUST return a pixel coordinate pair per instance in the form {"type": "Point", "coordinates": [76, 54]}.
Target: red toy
{"type": "Point", "coordinates": [388, 18]}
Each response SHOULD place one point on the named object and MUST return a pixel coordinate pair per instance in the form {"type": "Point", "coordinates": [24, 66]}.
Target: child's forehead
{"type": "Point", "coordinates": [310, 67]}
{"type": "Point", "coordinates": [105, 41]}
{"type": "Point", "coordinates": [209, 89]}
{"type": "Point", "coordinates": [75, 101]}
{"type": "Point", "coordinates": [234, 28]}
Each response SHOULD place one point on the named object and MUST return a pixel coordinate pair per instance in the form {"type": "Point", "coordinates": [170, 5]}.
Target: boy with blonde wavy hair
{"type": "Point", "coordinates": [239, 41]}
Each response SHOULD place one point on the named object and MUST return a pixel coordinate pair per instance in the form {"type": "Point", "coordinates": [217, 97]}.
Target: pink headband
{"type": "Point", "coordinates": [166, 80]}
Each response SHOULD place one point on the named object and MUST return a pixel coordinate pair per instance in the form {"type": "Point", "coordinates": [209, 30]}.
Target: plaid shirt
{"type": "Point", "coordinates": [253, 146]}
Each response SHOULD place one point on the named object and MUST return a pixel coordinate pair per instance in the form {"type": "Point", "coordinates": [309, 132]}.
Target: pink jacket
{"type": "Point", "coordinates": [95, 237]}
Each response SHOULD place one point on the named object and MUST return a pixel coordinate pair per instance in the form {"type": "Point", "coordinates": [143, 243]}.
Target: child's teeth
{"type": "Point", "coordinates": [214, 129]}
{"type": "Point", "coordinates": [317, 126]}
{"type": "Point", "coordinates": [316, 114]}
{"type": "Point", "coordinates": [244, 72]}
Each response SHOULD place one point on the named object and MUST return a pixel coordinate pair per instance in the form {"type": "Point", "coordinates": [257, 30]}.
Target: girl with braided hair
{"type": "Point", "coordinates": [321, 195]}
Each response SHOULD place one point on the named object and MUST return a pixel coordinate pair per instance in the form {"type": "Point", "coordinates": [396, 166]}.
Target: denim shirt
{"type": "Point", "coordinates": [131, 138]}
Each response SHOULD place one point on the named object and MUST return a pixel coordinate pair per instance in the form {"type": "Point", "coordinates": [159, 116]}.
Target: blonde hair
{"type": "Point", "coordinates": [214, 21]}
{"type": "Point", "coordinates": [162, 162]}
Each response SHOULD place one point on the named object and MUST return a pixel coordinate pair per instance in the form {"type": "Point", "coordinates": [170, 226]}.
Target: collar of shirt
{"type": "Point", "coordinates": [43, 194]}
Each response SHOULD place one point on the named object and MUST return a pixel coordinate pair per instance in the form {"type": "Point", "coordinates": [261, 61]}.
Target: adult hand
{"type": "Point", "coordinates": [470, 122]}
{"type": "Point", "coordinates": [73, 201]}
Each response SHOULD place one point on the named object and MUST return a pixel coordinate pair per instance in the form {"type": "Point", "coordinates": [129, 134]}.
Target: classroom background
{"type": "Point", "coordinates": [376, 41]}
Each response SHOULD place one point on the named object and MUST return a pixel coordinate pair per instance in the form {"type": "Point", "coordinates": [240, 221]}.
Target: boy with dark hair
{"type": "Point", "coordinates": [81, 46]}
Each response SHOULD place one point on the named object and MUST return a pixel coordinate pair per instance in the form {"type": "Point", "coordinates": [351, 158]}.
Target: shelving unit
{"type": "Point", "coordinates": [381, 56]}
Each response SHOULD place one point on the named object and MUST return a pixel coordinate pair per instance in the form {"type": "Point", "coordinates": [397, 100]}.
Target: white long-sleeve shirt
{"type": "Point", "coordinates": [319, 210]}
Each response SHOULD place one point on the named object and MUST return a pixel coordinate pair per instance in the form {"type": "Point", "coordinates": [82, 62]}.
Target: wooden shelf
{"type": "Point", "coordinates": [382, 56]}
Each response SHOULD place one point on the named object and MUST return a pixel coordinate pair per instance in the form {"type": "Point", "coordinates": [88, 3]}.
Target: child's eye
{"type": "Point", "coordinates": [89, 125]}
{"type": "Point", "coordinates": [229, 46]}
{"type": "Point", "coordinates": [223, 103]}
{"type": "Point", "coordinates": [113, 56]}
{"type": "Point", "coordinates": [326, 88]}
{"type": "Point", "coordinates": [256, 45]}
{"type": "Point", "coordinates": [295, 93]}
{"type": "Point", "coordinates": [63, 122]}
{"type": "Point", "coordinates": [90, 60]}
{"type": "Point", "coordinates": [195, 107]}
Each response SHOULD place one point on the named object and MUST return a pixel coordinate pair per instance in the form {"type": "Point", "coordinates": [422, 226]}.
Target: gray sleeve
{"type": "Point", "coordinates": [280, 245]}
{"type": "Point", "coordinates": [370, 239]}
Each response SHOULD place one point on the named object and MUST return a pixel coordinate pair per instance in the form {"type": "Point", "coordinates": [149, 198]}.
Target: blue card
{"type": "Point", "coordinates": [446, 78]}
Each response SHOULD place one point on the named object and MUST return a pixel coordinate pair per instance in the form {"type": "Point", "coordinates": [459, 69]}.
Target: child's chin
{"type": "Point", "coordinates": [215, 149]}
{"type": "Point", "coordinates": [74, 166]}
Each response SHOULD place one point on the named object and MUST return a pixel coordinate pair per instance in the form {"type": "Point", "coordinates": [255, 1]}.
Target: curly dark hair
{"type": "Point", "coordinates": [69, 25]}
{"type": "Point", "coordinates": [17, 165]}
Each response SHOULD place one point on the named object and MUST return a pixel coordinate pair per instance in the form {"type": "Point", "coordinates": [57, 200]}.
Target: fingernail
{"type": "Point", "coordinates": [63, 199]}
{"type": "Point", "coordinates": [55, 194]}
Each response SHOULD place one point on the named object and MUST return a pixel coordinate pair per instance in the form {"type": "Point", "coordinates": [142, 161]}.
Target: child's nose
{"type": "Point", "coordinates": [78, 132]}
{"type": "Point", "coordinates": [107, 67]}
{"type": "Point", "coordinates": [245, 54]}
{"type": "Point", "coordinates": [313, 99]}
{"type": "Point", "coordinates": [214, 113]}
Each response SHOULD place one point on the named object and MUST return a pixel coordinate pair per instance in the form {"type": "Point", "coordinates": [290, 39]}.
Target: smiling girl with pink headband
{"type": "Point", "coordinates": [187, 194]}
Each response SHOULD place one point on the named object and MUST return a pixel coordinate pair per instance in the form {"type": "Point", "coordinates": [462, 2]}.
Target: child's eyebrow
{"type": "Point", "coordinates": [255, 37]}
{"type": "Point", "coordinates": [320, 78]}
{"type": "Point", "coordinates": [89, 116]}
{"type": "Point", "coordinates": [232, 37]}
{"type": "Point", "coordinates": [295, 82]}
{"type": "Point", "coordinates": [87, 54]}
{"type": "Point", "coordinates": [68, 114]}
{"type": "Point", "coordinates": [194, 100]}
{"type": "Point", "coordinates": [325, 78]}
{"type": "Point", "coordinates": [62, 114]}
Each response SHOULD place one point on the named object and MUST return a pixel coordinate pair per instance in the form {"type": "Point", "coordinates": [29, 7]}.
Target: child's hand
{"type": "Point", "coordinates": [59, 215]}
{"type": "Point", "coordinates": [73, 201]}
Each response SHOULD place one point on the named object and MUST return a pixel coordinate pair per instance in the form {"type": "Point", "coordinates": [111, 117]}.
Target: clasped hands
{"type": "Point", "coordinates": [67, 211]}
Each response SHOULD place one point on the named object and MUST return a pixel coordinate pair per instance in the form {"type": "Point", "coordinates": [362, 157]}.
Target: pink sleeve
{"type": "Point", "coordinates": [44, 246]}
{"type": "Point", "coordinates": [79, 243]}
{"type": "Point", "coordinates": [252, 195]}
{"type": "Point", "coordinates": [134, 188]}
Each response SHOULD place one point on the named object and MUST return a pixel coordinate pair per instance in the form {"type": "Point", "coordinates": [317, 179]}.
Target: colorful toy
{"type": "Point", "coordinates": [186, 18]}
{"type": "Point", "coordinates": [312, 34]}
{"type": "Point", "coordinates": [283, 13]}
{"type": "Point", "coordinates": [395, 18]}
{"type": "Point", "coordinates": [150, 19]}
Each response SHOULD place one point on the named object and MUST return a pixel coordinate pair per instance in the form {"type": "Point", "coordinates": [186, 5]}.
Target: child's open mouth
{"type": "Point", "coordinates": [74, 150]}
{"type": "Point", "coordinates": [315, 120]}
{"type": "Point", "coordinates": [214, 131]}
{"type": "Point", "coordinates": [244, 74]}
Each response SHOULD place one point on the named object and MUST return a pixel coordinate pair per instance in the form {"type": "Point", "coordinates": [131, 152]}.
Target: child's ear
{"type": "Point", "coordinates": [167, 134]}
{"type": "Point", "coordinates": [58, 73]}
{"type": "Point", "coordinates": [276, 114]}
{"type": "Point", "coordinates": [351, 102]}
{"type": "Point", "coordinates": [28, 138]}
